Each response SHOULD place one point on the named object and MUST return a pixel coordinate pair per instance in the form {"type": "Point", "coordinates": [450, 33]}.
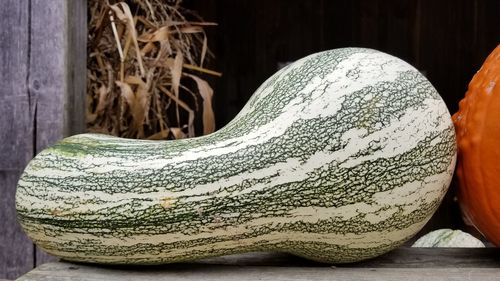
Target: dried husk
{"type": "Point", "coordinates": [146, 74]}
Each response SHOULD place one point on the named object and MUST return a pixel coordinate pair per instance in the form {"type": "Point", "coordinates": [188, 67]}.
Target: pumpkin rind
{"type": "Point", "coordinates": [339, 157]}
{"type": "Point", "coordinates": [477, 126]}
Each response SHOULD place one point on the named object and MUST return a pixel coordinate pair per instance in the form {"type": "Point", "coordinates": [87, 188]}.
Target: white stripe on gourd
{"type": "Point", "coordinates": [338, 157]}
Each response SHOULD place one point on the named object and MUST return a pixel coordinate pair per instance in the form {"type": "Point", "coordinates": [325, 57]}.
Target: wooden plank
{"type": "Point", "coordinates": [66, 271]}
{"type": "Point", "coordinates": [57, 72]}
{"type": "Point", "coordinates": [341, 23]}
{"type": "Point", "coordinates": [277, 29]}
{"type": "Point", "coordinates": [16, 136]}
{"type": "Point", "coordinates": [42, 257]}
{"type": "Point", "coordinates": [58, 68]}
{"type": "Point", "coordinates": [234, 43]}
{"type": "Point", "coordinates": [445, 50]}
{"type": "Point", "coordinates": [419, 263]}
{"type": "Point", "coordinates": [449, 44]}
{"type": "Point", "coordinates": [42, 77]}
{"type": "Point", "coordinates": [47, 79]}
{"type": "Point", "coordinates": [16, 133]}
{"type": "Point", "coordinates": [74, 113]}
{"type": "Point", "coordinates": [16, 250]}
{"type": "Point", "coordinates": [399, 258]}
{"type": "Point", "coordinates": [436, 258]}
{"type": "Point", "coordinates": [15, 124]}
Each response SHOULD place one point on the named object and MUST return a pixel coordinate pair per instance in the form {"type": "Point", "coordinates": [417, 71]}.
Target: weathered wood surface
{"type": "Point", "coordinates": [399, 258]}
{"type": "Point", "coordinates": [74, 113]}
{"type": "Point", "coordinates": [67, 272]}
{"type": "Point", "coordinates": [15, 103]}
{"type": "Point", "coordinates": [448, 39]}
{"type": "Point", "coordinates": [16, 133]}
{"type": "Point", "coordinates": [402, 264]}
{"type": "Point", "coordinates": [42, 87]}
{"type": "Point", "coordinates": [47, 81]}
{"type": "Point", "coordinates": [16, 250]}
{"type": "Point", "coordinates": [58, 68]}
{"type": "Point", "coordinates": [57, 73]}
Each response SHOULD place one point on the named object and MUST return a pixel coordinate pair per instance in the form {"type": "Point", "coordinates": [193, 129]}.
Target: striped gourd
{"type": "Point", "coordinates": [448, 238]}
{"type": "Point", "coordinates": [338, 157]}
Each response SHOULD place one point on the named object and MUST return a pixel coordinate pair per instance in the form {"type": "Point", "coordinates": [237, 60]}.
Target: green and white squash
{"type": "Point", "coordinates": [448, 238]}
{"type": "Point", "coordinates": [338, 157]}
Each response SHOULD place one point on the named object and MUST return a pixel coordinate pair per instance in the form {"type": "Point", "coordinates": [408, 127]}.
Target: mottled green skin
{"type": "Point", "coordinates": [229, 208]}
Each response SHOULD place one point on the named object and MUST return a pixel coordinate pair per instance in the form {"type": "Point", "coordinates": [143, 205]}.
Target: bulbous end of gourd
{"type": "Point", "coordinates": [338, 157]}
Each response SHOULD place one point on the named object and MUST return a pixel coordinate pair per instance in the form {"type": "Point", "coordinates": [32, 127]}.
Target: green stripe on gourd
{"type": "Point", "coordinates": [340, 156]}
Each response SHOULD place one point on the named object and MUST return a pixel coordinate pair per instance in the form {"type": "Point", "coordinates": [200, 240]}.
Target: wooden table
{"type": "Point", "coordinates": [406, 264]}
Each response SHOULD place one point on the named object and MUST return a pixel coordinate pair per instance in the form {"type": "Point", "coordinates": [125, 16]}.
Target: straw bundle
{"type": "Point", "coordinates": [145, 68]}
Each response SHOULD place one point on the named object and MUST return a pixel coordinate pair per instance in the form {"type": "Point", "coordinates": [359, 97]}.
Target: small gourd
{"type": "Point", "coordinates": [448, 238]}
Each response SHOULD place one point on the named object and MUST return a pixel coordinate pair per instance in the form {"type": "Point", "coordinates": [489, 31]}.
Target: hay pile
{"type": "Point", "coordinates": [146, 71]}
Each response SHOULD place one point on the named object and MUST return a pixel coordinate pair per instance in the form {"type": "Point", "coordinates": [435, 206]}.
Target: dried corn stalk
{"type": "Point", "coordinates": [145, 68]}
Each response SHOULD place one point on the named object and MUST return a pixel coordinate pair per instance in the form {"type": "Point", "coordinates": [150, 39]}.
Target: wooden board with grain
{"type": "Point", "coordinates": [400, 258]}
{"type": "Point", "coordinates": [42, 88]}
{"type": "Point", "coordinates": [57, 69]}
{"type": "Point", "coordinates": [402, 264]}
{"type": "Point", "coordinates": [221, 273]}
{"type": "Point", "coordinates": [57, 73]}
{"type": "Point", "coordinates": [16, 250]}
{"type": "Point", "coordinates": [15, 100]}
{"type": "Point", "coordinates": [16, 133]}
{"type": "Point", "coordinates": [47, 69]}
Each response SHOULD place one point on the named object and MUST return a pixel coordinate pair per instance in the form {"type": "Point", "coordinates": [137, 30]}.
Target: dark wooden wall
{"type": "Point", "coordinates": [42, 76]}
{"type": "Point", "coordinates": [446, 39]}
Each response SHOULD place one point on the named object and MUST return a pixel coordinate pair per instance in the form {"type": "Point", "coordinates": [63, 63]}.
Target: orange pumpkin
{"type": "Point", "coordinates": [477, 125]}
